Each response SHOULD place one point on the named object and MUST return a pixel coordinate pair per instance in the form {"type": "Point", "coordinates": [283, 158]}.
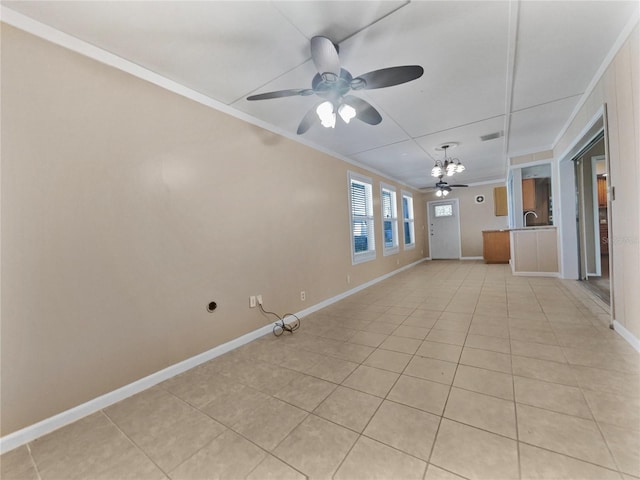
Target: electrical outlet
{"type": "Point", "coordinates": [348, 279]}
{"type": "Point", "coordinates": [259, 298]}
{"type": "Point", "coordinates": [303, 296]}
{"type": "Point", "coordinates": [252, 302]}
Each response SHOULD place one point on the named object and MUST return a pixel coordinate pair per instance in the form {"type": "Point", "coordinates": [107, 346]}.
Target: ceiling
{"type": "Point", "coordinates": [515, 68]}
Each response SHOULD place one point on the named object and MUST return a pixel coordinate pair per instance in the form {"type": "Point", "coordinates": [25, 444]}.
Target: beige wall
{"type": "Point", "coordinates": [126, 209]}
{"type": "Point", "coordinates": [531, 157]}
{"type": "Point", "coordinates": [474, 217]}
{"type": "Point", "coordinates": [619, 89]}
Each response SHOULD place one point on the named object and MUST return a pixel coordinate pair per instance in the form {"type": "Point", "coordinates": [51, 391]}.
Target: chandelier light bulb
{"type": "Point", "coordinates": [459, 167]}
{"type": "Point", "coordinates": [451, 169]}
{"type": "Point", "coordinates": [445, 193]}
{"type": "Point", "coordinates": [326, 114]}
{"type": "Point", "coordinates": [346, 112]}
{"type": "Point", "coordinates": [436, 171]}
{"type": "Point", "coordinates": [438, 193]}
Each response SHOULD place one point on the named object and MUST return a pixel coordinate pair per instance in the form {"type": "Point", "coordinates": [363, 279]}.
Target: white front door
{"type": "Point", "coordinates": [444, 229]}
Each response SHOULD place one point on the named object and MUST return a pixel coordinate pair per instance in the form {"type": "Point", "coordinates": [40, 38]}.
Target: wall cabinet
{"type": "Point", "coordinates": [529, 194]}
{"type": "Point", "coordinates": [500, 202]}
{"type": "Point", "coordinates": [604, 239]}
{"type": "Point", "coordinates": [602, 192]}
{"type": "Point", "coordinates": [535, 198]}
{"type": "Point", "coordinates": [496, 246]}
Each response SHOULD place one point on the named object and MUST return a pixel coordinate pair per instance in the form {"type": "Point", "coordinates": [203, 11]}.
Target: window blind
{"type": "Point", "coordinates": [362, 222]}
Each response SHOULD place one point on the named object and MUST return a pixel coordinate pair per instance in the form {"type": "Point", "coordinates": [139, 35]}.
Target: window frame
{"type": "Point", "coordinates": [395, 248]}
{"type": "Point", "coordinates": [408, 220]}
{"type": "Point", "coordinates": [449, 212]}
{"type": "Point", "coordinates": [368, 218]}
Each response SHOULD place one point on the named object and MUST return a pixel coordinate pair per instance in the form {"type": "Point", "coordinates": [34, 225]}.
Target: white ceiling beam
{"type": "Point", "coordinates": [512, 51]}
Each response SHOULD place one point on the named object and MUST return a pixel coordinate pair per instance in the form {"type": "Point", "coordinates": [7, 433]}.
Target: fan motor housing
{"type": "Point", "coordinates": [331, 87]}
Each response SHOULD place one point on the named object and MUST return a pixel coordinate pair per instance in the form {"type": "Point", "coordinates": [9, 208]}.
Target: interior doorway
{"type": "Point", "coordinates": [592, 219]}
{"type": "Point", "coordinates": [443, 219]}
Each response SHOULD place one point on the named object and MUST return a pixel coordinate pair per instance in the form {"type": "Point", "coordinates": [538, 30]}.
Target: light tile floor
{"type": "Point", "coordinates": [448, 370]}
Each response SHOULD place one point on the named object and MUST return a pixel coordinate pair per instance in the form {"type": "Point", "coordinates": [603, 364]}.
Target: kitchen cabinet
{"type": "Point", "coordinates": [529, 194]}
{"type": "Point", "coordinates": [602, 192]}
{"type": "Point", "coordinates": [500, 201]}
{"type": "Point", "coordinates": [604, 239]}
{"type": "Point", "coordinates": [535, 198]}
{"type": "Point", "coordinates": [496, 246]}
{"type": "Point", "coordinates": [535, 251]}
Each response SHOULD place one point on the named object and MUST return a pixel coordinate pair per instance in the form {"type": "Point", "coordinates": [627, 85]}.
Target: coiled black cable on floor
{"type": "Point", "coordinates": [280, 327]}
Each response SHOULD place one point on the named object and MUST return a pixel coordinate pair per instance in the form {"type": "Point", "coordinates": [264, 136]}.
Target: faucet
{"type": "Point", "coordinates": [527, 213]}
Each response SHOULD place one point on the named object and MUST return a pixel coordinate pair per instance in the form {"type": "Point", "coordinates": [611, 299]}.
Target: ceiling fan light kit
{"type": "Point", "coordinates": [333, 83]}
{"type": "Point", "coordinates": [326, 114]}
{"type": "Point", "coordinates": [346, 112]}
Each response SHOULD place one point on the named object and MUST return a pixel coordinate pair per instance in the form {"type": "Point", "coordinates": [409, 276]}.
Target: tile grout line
{"type": "Point", "coordinates": [596, 423]}
{"type": "Point", "coordinates": [513, 386]}
{"type": "Point", "coordinates": [33, 461]}
{"type": "Point", "coordinates": [444, 407]}
{"type": "Point", "coordinates": [230, 428]}
{"type": "Point", "coordinates": [386, 399]}
{"type": "Point", "coordinates": [602, 435]}
{"type": "Point", "coordinates": [361, 434]}
{"type": "Point", "coordinates": [133, 442]}
{"type": "Point", "coordinates": [616, 470]}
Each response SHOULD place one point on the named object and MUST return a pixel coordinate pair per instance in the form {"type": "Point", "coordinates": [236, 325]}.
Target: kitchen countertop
{"type": "Point", "coordinates": [524, 229]}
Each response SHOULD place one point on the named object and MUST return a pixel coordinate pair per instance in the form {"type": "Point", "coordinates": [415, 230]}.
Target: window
{"type": "Point", "coordinates": [443, 210]}
{"type": "Point", "coordinates": [407, 218]}
{"type": "Point", "coordinates": [529, 193]}
{"type": "Point", "coordinates": [389, 219]}
{"type": "Point", "coordinates": [363, 247]}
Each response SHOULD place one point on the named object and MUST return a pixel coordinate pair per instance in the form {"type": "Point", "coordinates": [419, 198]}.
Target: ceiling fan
{"type": "Point", "coordinates": [333, 84]}
{"type": "Point", "coordinates": [443, 188]}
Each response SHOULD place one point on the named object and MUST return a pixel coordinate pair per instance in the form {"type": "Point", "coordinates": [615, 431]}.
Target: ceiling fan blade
{"type": "Point", "coordinates": [281, 94]}
{"type": "Point", "coordinates": [364, 110]}
{"type": "Point", "coordinates": [387, 77]}
{"type": "Point", "coordinates": [325, 56]}
{"type": "Point", "coordinates": [458, 185]}
{"type": "Point", "coordinates": [308, 120]}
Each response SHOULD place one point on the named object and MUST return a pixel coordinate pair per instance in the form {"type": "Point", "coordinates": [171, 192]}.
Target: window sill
{"type": "Point", "coordinates": [363, 257]}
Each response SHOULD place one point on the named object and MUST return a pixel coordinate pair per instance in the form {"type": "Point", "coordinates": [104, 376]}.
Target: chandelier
{"type": "Point", "coordinates": [448, 166]}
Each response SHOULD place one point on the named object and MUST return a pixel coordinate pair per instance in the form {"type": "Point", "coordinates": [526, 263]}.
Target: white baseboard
{"type": "Point", "coordinates": [48, 425]}
{"type": "Point", "coordinates": [341, 296]}
{"type": "Point", "coordinates": [627, 335]}
{"type": "Point", "coordinates": [536, 274]}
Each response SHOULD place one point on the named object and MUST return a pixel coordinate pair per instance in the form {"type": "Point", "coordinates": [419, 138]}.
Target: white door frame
{"type": "Point", "coordinates": [564, 208]}
{"type": "Point", "coordinates": [567, 208]}
{"type": "Point", "coordinates": [457, 210]}
{"type": "Point", "coordinates": [596, 214]}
